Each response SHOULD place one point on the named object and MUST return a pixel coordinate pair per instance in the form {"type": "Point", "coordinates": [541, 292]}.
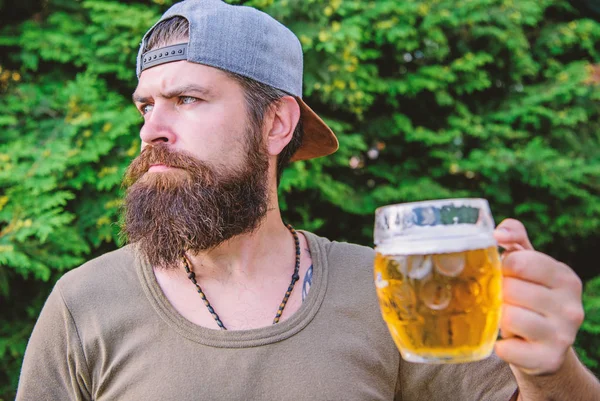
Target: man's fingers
{"type": "Point", "coordinates": [524, 323]}
{"type": "Point", "coordinates": [537, 268]}
{"type": "Point", "coordinates": [512, 236]}
{"type": "Point", "coordinates": [528, 357]}
{"type": "Point", "coordinates": [528, 295]}
{"type": "Point", "coordinates": [518, 352]}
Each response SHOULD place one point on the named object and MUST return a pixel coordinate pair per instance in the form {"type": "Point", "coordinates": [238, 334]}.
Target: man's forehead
{"type": "Point", "coordinates": [192, 89]}
{"type": "Point", "coordinates": [166, 78]}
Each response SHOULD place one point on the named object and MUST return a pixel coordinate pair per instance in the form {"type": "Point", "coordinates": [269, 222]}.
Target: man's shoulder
{"type": "Point", "coordinates": [106, 273]}
{"type": "Point", "coordinates": [344, 252]}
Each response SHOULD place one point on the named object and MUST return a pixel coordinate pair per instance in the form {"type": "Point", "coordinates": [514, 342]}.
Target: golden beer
{"type": "Point", "coordinates": [438, 279]}
{"type": "Point", "coordinates": [443, 306]}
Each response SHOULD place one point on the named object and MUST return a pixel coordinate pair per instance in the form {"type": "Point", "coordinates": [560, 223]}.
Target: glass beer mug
{"type": "Point", "coordinates": [438, 279]}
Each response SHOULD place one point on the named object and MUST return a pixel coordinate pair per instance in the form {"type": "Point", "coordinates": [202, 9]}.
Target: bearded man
{"type": "Point", "coordinates": [216, 298]}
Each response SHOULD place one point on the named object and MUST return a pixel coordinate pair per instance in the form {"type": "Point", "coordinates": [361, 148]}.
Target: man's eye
{"type": "Point", "coordinates": [145, 108]}
{"type": "Point", "coordinates": [188, 99]}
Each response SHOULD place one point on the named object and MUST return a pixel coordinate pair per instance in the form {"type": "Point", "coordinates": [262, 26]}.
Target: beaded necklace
{"type": "Point", "coordinates": [192, 276]}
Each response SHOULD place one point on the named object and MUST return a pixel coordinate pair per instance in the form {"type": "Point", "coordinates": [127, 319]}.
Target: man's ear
{"type": "Point", "coordinates": [285, 115]}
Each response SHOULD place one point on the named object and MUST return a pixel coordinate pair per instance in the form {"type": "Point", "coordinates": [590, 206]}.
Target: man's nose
{"type": "Point", "coordinates": [158, 127]}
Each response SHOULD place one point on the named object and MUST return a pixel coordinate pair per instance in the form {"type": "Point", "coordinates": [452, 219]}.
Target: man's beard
{"type": "Point", "coordinates": [195, 207]}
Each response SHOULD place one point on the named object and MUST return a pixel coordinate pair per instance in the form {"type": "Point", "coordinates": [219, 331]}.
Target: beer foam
{"type": "Point", "coordinates": [432, 221]}
{"type": "Point", "coordinates": [421, 245]}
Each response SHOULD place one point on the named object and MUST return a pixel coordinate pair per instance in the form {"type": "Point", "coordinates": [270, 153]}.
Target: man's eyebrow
{"type": "Point", "coordinates": [175, 92]}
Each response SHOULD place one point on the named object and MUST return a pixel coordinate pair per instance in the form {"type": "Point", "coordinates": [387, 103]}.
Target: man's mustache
{"type": "Point", "coordinates": [163, 154]}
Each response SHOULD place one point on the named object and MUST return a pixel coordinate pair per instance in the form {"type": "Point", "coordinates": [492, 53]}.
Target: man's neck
{"type": "Point", "coordinates": [244, 279]}
{"type": "Point", "coordinates": [248, 256]}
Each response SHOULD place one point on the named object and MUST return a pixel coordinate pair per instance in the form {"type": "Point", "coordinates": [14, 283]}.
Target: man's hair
{"type": "Point", "coordinates": [259, 97]}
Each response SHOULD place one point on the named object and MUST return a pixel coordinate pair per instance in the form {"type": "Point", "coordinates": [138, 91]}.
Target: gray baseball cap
{"type": "Point", "coordinates": [250, 43]}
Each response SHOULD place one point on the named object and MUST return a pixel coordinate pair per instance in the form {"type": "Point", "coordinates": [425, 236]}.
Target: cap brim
{"type": "Point", "coordinates": [318, 140]}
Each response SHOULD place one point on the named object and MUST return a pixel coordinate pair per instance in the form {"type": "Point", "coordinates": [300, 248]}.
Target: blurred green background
{"type": "Point", "coordinates": [430, 99]}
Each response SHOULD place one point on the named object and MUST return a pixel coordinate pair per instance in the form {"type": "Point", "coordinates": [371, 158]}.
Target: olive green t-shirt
{"type": "Point", "coordinates": [107, 332]}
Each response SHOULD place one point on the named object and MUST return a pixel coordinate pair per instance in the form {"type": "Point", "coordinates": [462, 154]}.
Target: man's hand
{"type": "Point", "coordinates": [542, 308]}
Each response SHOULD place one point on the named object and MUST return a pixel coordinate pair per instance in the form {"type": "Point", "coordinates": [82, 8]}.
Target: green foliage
{"type": "Point", "coordinates": [68, 132]}
{"type": "Point", "coordinates": [439, 98]}
{"type": "Point", "coordinates": [429, 98]}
